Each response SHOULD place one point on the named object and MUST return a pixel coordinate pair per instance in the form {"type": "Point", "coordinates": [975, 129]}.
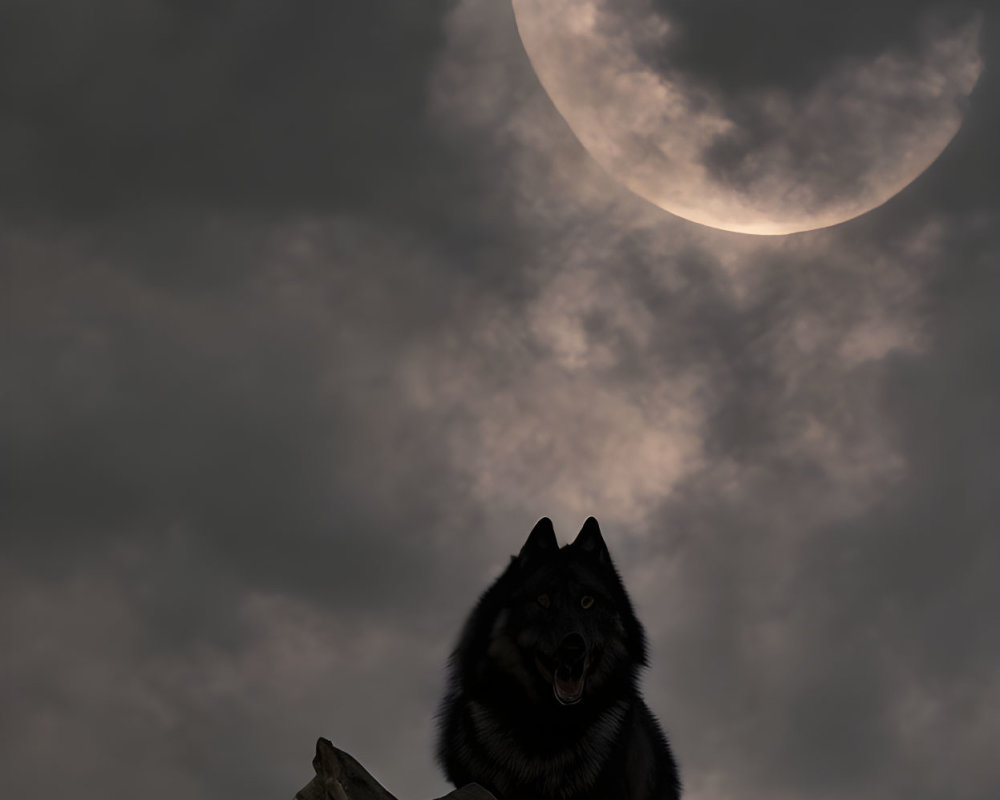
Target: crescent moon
{"type": "Point", "coordinates": [863, 132]}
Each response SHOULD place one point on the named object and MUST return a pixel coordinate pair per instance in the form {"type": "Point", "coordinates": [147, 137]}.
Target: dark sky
{"type": "Point", "coordinates": [309, 310]}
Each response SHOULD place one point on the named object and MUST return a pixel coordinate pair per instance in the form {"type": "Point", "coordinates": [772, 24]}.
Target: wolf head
{"type": "Point", "coordinates": [557, 628]}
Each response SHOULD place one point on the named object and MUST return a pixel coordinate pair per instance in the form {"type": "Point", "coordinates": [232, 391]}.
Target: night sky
{"type": "Point", "coordinates": [309, 310]}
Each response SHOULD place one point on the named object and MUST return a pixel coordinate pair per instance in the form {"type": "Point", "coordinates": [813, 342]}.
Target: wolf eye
{"type": "Point", "coordinates": [586, 601]}
{"type": "Point", "coordinates": [543, 600]}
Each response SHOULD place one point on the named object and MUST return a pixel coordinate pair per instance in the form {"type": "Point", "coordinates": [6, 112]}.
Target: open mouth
{"type": "Point", "coordinates": [567, 670]}
{"type": "Point", "coordinates": [568, 683]}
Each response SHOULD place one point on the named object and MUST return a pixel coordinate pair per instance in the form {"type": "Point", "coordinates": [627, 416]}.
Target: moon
{"type": "Point", "coordinates": [757, 157]}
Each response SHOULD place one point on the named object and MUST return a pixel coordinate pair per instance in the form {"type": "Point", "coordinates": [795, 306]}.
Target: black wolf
{"type": "Point", "coordinates": [542, 701]}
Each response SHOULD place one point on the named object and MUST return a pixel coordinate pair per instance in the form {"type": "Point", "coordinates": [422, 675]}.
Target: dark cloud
{"type": "Point", "coordinates": [789, 79]}
{"type": "Point", "coordinates": [855, 644]}
{"type": "Point", "coordinates": [252, 417]}
{"type": "Point", "coordinates": [966, 176]}
{"type": "Point", "coordinates": [210, 489]}
{"type": "Point", "coordinates": [212, 104]}
{"type": "Point", "coordinates": [736, 46]}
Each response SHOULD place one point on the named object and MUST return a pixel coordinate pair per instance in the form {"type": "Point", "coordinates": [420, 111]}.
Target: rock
{"type": "Point", "coordinates": [471, 791]}
{"type": "Point", "coordinates": [340, 777]}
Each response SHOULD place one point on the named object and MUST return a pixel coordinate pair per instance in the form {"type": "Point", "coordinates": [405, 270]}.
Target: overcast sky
{"type": "Point", "coordinates": [309, 310]}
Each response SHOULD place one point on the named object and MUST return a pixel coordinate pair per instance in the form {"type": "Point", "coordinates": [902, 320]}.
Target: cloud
{"type": "Point", "coordinates": [734, 47]}
{"type": "Point", "coordinates": [215, 104]}
{"type": "Point", "coordinates": [90, 679]}
{"type": "Point", "coordinates": [254, 414]}
{"type": "Point", "coordinates": [851, 127]}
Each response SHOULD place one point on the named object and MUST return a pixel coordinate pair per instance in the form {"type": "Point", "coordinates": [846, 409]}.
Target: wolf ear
{"type": "Point", "coordinates": [590, 541]}
{"type": "Point", "coordinates": [541, 543]}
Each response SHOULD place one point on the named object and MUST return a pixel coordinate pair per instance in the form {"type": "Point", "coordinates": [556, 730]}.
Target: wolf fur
{"type": "Point", "coordinates": [542, 700]}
